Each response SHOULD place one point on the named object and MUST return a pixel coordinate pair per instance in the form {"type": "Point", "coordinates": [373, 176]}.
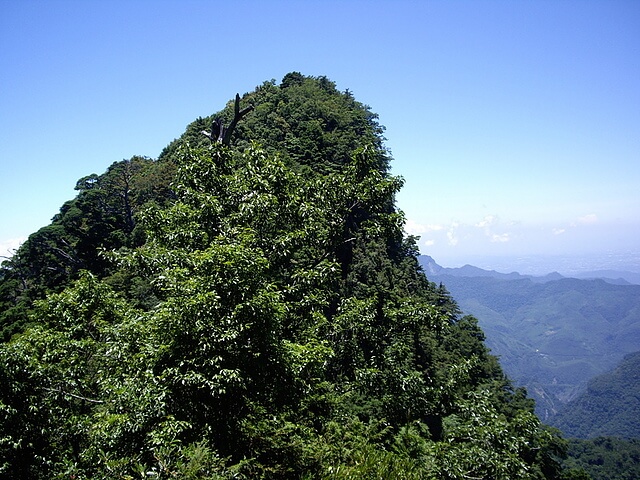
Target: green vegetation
{"type": "Point", "coordinates": [605, 458]}
{"type": "Point", "coordinates": [553, 337]}
{"type": "Point", "coordinates": [101, 217]}
{"type": "Point", "coordinates": [610, 406]}
{"type": "Point", "coordinates": [251, 311]}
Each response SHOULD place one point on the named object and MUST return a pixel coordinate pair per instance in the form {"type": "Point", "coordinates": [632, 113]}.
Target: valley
{"type": "Point", "coordinates": [552, 334]}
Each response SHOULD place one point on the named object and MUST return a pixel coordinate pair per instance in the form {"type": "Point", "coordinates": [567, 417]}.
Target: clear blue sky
{"type": "Point", "coordinates": [516, 124]}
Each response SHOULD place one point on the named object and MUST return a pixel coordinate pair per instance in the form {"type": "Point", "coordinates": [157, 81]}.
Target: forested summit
{"type": "Point", "coordinates": [306, 121]}
{"type": "Point", "coordinates": [251, 309]}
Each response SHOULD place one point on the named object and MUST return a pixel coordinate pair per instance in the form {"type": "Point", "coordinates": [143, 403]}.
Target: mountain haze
{"type": "Point", "coordinates": [552, 334]}
{"type": "Point", "coordinates": [617, 277]}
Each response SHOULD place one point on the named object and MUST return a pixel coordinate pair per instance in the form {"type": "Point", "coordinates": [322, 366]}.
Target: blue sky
{"type": "Point", "coordinates": [516, 125]}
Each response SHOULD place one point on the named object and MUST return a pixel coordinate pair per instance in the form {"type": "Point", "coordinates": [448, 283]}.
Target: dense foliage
{"type": "Point", "coordinates": [263, 318]}
{"type": "Point", "coordinates": [101, 217]}
{"type": "Point", "coordinates": [308, 123]}
{"type": "Point", "coordinates": [553, 336]}
{"type": "Point", "coordinates": [605, 458]}
{"type": "Point", "coordinates": [610, 406]}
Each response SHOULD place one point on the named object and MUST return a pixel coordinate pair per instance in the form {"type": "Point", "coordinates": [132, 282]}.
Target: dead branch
{"type": "Point", "coordinates": [221, 134]}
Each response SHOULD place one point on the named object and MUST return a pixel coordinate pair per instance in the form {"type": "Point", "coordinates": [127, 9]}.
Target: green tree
{"type": "Point", "coordinates": [292, 333]}
{"type": "Point", "coordinates": [101, 217]}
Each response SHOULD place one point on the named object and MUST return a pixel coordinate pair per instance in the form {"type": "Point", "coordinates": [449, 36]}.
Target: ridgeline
{"type": "Point", "coordinates": [250, 308]}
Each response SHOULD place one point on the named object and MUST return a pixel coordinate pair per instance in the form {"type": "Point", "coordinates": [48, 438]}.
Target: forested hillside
{"type": "Point", "coordinates": [605, 458]}
{"type": "Point", "coordinates": [250, 308]}
{"type": "Point", "coordinates": [551, 336]}
{"type": "Point", "coordinates": [610, 405]}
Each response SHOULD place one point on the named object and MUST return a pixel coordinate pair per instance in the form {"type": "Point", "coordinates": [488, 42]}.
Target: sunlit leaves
{"type": "Point", "coordinates": [480, 442]}
{"type": "Point", "coordinates": [288, 332]}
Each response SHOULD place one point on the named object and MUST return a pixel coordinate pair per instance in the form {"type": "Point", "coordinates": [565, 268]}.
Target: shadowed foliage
{"type": "Point", "coordinates": [256, 313]}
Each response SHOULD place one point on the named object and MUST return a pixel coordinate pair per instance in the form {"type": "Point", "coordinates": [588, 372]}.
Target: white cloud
{"type": "Point", "coordinates": [588, 219]}
{"type": "Point", "coordinates": [501, 238]}
{"type": "Point", "coordinates": [429, 243]}
{"type": "Point", "coordinates": [486, 222]}
{"type": "Point", "coordinates": [414, 228]}
{"type": "Point", "coordinates": [558, 231]}
{"type": "Point", "coordinates": [451, 234]}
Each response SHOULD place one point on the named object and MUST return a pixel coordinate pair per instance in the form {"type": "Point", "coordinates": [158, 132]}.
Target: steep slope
{"type": "Point", "coordinates": [103, 216]}
{"type": "Point", "coordinates": [605, 458]}
{"type": "Point", "coordinates": [610, 405]}
{"type": "Point", "coordinates": [291, 332]}
{"type": "Point", "coordinates": [552, 337]}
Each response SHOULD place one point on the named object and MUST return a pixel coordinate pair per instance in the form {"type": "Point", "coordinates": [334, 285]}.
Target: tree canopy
{"type": "Point", "coordinates": [259, 315]}
{"type": "Point", "coordinates": [610, 406]}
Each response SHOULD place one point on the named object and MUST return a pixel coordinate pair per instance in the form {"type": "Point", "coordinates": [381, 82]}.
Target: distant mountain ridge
{"type": "Point", "coordinates": [611, 276]}
{"type": "Point", "coordinates": [552, 334]}
{"type": "Point", "coordinates": [616, 277]}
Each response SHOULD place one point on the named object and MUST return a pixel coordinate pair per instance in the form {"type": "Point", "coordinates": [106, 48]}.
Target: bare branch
{"type": "Point", "coordinates": [237, 116]}
{"type": "Point", "coordinates": [221, 134]}
{"type": "Point", "coordinates": [69, 394]}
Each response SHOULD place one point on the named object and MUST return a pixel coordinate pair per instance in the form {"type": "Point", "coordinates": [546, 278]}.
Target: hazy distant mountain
{"type": "Point", "coordinates": [610, 406]}
{"type": "Point", "coordinates": [612, 276]}
{"type": "Point", "coordinates": [552, 334]}
{"type": "Point", "coordinates": [617, 277]}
